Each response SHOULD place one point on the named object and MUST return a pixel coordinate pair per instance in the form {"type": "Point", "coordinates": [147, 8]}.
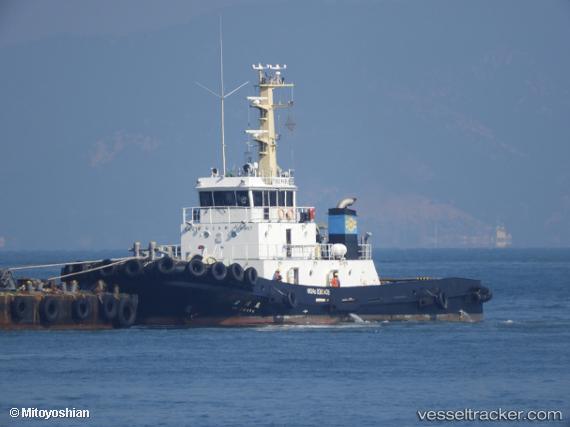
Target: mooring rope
{"type": "Point", "coordinates": [121, 261]}
{"type": "Point", "coordinates": [29, 267]}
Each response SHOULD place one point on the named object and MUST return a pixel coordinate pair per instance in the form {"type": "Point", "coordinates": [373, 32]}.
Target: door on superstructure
{"type": "Point", "coordinates": [293, 276]}
{"type": "Point", "coordinates": [288, 241]}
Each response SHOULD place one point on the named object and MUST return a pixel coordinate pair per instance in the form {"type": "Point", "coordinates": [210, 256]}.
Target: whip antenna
{"type": "Point", "coordinates": [222, 96]}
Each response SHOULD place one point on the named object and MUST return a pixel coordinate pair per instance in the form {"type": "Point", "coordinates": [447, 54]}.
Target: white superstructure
{"type": "Point", "coordinates": [252, 217]}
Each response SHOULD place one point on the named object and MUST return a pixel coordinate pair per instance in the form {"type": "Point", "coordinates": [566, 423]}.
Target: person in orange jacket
{"type": "Point", "coordinates": [335, 282]}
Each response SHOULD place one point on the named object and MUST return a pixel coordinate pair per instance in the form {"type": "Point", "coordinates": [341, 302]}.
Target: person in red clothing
{"type": "Point", "coordinates": [335, 282]}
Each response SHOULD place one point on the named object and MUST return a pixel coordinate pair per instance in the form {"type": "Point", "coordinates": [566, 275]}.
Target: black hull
{"type": "Point", "coordinates": [178, 300]}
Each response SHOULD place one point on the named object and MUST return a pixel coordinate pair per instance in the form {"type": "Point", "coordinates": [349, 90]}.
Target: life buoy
{"type": "Point", "coordinates": [289, 214]}
{"type": "Point", "coordinates": [81, 308]}
{"type": "Point", "coordinates": [312, 214]}
{"type": "Point", "coordinates": [127, 312]}
{"type": "Point", "coordinates": [21, 307]}
{"type": "Point", "coordinates": [50, 308]}
{"type": "Point", "coordinates": [109, 307]}
{"type": "Point", "coordinates": [281, 213]}
{"type": "Point", "coordinates": [219, 271]}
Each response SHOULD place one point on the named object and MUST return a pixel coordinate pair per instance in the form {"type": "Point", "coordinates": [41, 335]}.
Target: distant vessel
{"type": "Point", "coordinates": [249, 254]}
{"type": "Point", "coordinates": [503, 238]}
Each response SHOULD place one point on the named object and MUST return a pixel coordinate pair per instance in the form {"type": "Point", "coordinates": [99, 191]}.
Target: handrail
{"type": "Point", "coordinates": [319, 251]}
{"type": "Point", "coordinates": [237, 214]}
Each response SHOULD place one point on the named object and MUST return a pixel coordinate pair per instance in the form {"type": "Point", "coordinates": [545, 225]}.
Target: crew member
{"type": "Point", "coordinates": [277, 276]}
{"type": "Point", "coordinates": [335, 282]}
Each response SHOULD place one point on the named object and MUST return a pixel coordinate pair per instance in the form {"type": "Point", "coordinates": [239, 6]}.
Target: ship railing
{"type": "Point", "coordinates": [365, 251]}
{"type": "Point", "coordinates": [237, 214]}
{"type": "Point", "coordinates": [278, 180]}
{"type": "Point", "coordinates": [173, 251]}
{"type": "Point", "coordinates": [319, 251]}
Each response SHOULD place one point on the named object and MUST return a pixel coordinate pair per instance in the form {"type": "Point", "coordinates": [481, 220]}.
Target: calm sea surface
{"type": "Point", "coordinates": [357, 375]}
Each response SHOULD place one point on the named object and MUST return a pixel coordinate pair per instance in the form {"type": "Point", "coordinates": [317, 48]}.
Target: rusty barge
{"type": "Point", "coordinates": [46, 304]}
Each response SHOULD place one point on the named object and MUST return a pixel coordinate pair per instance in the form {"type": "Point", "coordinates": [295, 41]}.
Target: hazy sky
{"type": "Point", "coordinates": [444, 118]}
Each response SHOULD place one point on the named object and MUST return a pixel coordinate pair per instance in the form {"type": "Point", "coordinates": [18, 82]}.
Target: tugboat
{"type": "Point", "coordinates": [250, 255]}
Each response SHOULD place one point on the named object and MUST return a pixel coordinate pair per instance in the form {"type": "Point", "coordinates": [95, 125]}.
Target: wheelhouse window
{"type": "Point", "coordinates": [206, 199]}
{"type": "Point", "coordinates": [242, 198]}
{"type": "Point", "coordinates": [272, 198]}
{"type": "Point", "coordinates": [257, 198]}
{"type": "Point", "coordinates": [224, 198]}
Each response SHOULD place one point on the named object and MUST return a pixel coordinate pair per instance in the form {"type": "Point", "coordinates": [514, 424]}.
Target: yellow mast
{"type": "Point", "coordinates": [269, 79]}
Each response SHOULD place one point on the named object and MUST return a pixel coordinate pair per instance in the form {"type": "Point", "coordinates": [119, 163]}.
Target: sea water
{"type": "Point", "coordinates": [362, 374]}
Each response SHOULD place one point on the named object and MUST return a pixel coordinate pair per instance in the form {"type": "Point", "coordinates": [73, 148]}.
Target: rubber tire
{"type": "Point", "coordinates": [219, 271]}
{"type": "Point", "coordinates": [79, 268]}
{"type": "Point", "coordinates": [442, 300]}
{"type": "Point", "coordinates": [196, 269]}
{"type": "Point", "coordinates": [21, 307]}
{"type": "Point", "coordinates": [133, 268]}
{"type": "Point", "coordinates": [165, 266]}
{"type": "Point", "coordinates": [475, 296]}
{"type": "Point", "coordinates": [236, 272]}
{"type": "Point", "coordinates": [67, 269]}
{"type": "Point", "coordinates": [291, 300]}
{"type": "Point", "coordinates": [251, 275]}
{"type": "Point", "coordinates": [81, 308]}
{"type": "Point", "coordinates": [50, 308]}
{"type": "Point", "coordinates": [109, 307]}
{"type": "Point", "coordinates": [127, 313]}
{"type": "Point", "coordinates": [108, 271]}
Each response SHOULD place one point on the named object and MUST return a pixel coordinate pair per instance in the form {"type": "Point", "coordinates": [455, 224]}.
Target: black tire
{"type": "Point", "coordinates": [109, 307]}
{"type": "Point", "coordinates": [196, 268]}
{"type": "Point", "coordinates": [442, 300]}
{"type": "Point", "coordinates": [475, 296]}
{"type": "Point", "coordinates": [81, 308]}
{"type": "Point", "coordinates": [21, 308]}
{"type": "Point", "coordinates": [79, 270]}
{"type": "Point", "coordinates": [50, 308]}
{"type": "Point", "coordinates": [127, 313]}
{"type": "Point", "coordinates": [67, 269]}
{"type": "Point", "coordinates": [198, 257]}
{"type": "Point", "coordinates": [133, 268]}
{"type": "Point", "coordinates": [291, 300]}
{"type": "Point", "coordinates": [108, 271]}
{"type": "Point", "coordinates": [165, 266]}
{"type": "Point", "coordinates": [236, 272]}
{"type": "Point", "coordinates": [486, 294]}
{"type": "Point", "coordinates": [219, 271]}
{"type": "Point", "coordinates": [251, 276]}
